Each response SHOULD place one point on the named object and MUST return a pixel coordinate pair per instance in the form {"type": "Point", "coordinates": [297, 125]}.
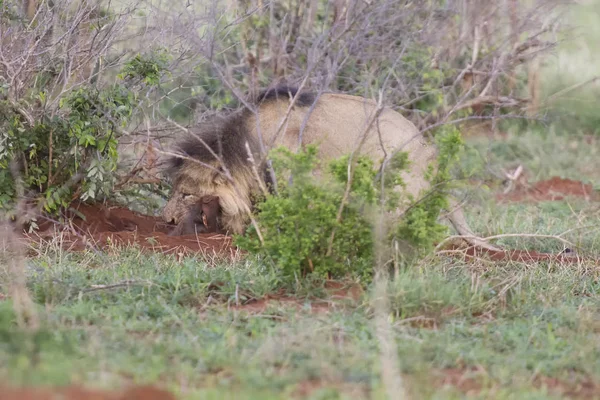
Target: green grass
{"type": "Point", "coordinates": [543, 155]}
{"type": "Point", "coordinates": [515, 322]}
{"type": "Point", "coordinates": [501, 326]}
{"type": "Point", "coordinates": [570, 66]}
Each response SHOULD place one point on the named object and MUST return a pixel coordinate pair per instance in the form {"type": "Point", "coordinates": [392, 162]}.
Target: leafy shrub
{"type": "Point", "coordinates": [297, 223]}
{"type": "Point", "coordinates": [419, 227]}
{"type": "Point", "coordinates": [70, 152]}
{"type": "Point", "coordinates": [146, 68]}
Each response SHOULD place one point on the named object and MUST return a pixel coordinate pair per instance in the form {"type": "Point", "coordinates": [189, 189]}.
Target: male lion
{"type": "Point", "coordinates": [337, 123]}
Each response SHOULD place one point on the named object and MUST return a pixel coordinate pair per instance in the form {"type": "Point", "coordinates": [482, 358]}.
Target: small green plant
{"type": "Point", "coordinates": [297, 223]}
{"type": "Point", "coordinates": [419, 227]}
{"type": "Point", "coordinates": [147, 68]}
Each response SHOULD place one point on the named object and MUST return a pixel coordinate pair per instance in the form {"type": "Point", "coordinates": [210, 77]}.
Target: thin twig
{"type": "Point", "coordinates": [255, 170]}
{"type": "Point", "coordinates": [506, 235]}
{"type": "Point", "coordinates": [126, 283]}
{"type": "Point", "coordinates": [564, 91]}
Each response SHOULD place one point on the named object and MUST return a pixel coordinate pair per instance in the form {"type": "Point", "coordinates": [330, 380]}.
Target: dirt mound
{"type": "Point", "coordinates": [100, 226]}
{"type": "Point", "coordinates": [551, 190]}
{"type": "Point", "coordinates": [79, 393]}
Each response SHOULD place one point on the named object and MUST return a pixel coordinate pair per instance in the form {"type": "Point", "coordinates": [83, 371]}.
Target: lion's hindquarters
{"type": "Point", "coordinates": [339, 124]}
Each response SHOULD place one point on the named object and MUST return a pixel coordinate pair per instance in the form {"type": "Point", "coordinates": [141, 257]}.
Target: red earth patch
{"type": "Point", "coordinates": [79, 393]}
{"type": "Point", "coordinates": [582, 389]}
{"type": "Point", "coordinates": [553, 189]}
{"type": "Point", "coordinates": [307, 388]}
{"type": "Point", "coordinates": [336, 291]}
{"type": "Point", "coordinates": [470, 381]}
{"type": "Point", "coordinates": [467, 381]}
{"type": "Point", "coordinates": [100, 226]}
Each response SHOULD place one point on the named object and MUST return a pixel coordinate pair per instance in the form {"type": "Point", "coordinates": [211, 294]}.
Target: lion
{"type": "Point", "coordinates": [225, 157]}
{"type": "Point", "coordinates": [201, 217]}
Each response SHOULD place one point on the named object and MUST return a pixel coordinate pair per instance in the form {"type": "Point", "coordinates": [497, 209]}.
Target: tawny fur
{"type": "Point", "coordinates": [336, 124]}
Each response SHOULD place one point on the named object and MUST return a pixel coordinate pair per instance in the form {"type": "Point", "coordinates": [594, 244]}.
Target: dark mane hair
{"type": "Point", "coordinates": [226, 137]}
{"type": "Point", "coordinates": [305, 99]}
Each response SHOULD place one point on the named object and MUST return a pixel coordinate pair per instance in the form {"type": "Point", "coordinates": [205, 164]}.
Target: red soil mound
{"type": "Point", "coordinates": [550, 190]}
{"type": "Point", "coordinates": [78, 393]}
{"type": "Point", "coordinates": [101, 226]}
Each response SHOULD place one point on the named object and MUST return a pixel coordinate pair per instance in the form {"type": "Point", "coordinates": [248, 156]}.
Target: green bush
{"type": "Point", "coordinates": [146, 68]}
{"type": "Point", "coordinates": [70, 152]}
{"type": "Point", "coordinates": [419, 227]}
{"type": "Point", "coordinates": [298, 223]}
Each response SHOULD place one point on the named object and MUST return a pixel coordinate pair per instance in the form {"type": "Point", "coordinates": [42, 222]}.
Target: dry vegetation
{"type": "Point", "coordinates": [92, 93]}
{"type": "Point", "coordinates": [438, 64]}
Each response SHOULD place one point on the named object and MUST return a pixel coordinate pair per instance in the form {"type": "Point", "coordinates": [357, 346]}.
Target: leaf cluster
{"type": "Point", "coordinates": [68, 149]}
{"type": "Point", "coordinates": [297, 224]}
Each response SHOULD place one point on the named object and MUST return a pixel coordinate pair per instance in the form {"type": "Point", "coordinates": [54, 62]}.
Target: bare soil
{"type": "Point", "coordinates": [308, 388]}
{"type": "Point", "coordinates": [471, 382]}
{"type": "Point", "coordinates": [337, 293]}
{"type": "Point", "coordinates": [468, 381]}
{"type": "Point", "coordinates": [79, 393]}
{"type": "Point", "coordinates": [100, 226]}
{"type": "Point", "coordinates": [578, 389]}
{"type": "Point", "coordinates": [553, 189]}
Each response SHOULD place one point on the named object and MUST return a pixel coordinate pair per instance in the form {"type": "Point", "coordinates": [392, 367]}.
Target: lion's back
{"type": "Point", "coordinates": [337, 124]}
